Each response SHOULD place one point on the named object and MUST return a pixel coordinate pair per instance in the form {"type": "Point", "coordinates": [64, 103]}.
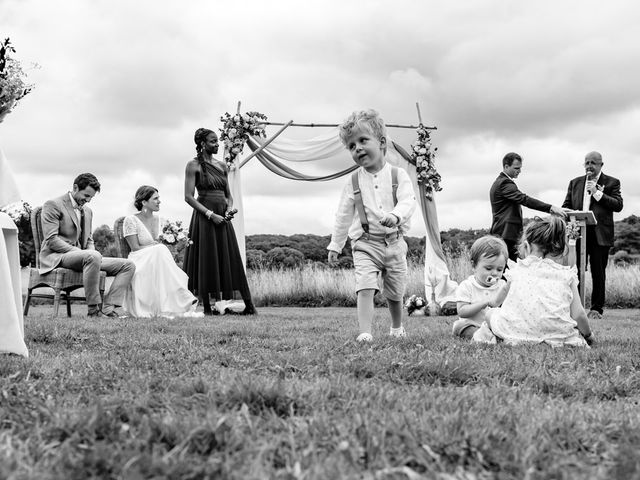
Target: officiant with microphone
{"type": "Point", "coordinates": [601, 194]}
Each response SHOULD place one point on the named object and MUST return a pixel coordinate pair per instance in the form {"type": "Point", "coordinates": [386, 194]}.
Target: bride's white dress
{"type": "Point", "coordinates": [159, 286]}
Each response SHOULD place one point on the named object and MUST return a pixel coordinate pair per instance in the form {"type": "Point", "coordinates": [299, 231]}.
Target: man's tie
{"type": "Point", "coordinates": [81, 237]}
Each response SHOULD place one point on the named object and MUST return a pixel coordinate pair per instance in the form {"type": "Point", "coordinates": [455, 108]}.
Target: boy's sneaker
{"type": "Point", "coordinates": [364, 338]}
{"type": "Point", "coordinates": [398, 332]}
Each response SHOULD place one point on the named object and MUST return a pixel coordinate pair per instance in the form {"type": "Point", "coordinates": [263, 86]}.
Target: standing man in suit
{"type": "Point", "coordinates": [68, 243]}
{"type": "Point", "coordinates": [507, 201]}
{"type": "Point", "coordinates": [599, 193]}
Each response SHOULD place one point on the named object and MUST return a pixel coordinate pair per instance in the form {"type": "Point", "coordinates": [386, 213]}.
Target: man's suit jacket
{"type": "Point", "coordinates": [61, 228]}
{"type": "Point", "coordinates": [602, 209]}
{"type": "Point", "coordinates": [506, 201]}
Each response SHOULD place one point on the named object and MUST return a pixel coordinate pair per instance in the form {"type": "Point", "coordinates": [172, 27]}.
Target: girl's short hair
{"type": "Point", "coordinates": [144, 193]}
{"type": "Point", "coordinates": [488, 246]}
{"type": "Point", "coordinates": [548, 234]}
{"type": "Point", "coordinates": [368, 120]}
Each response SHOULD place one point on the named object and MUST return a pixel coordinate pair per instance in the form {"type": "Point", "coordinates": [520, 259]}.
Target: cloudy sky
{"type": "Point", "coordinates": [122, 85]}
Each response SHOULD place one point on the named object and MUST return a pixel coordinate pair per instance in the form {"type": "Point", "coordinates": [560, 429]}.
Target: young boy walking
{"type": "Point", "coordinates": [374, 212]}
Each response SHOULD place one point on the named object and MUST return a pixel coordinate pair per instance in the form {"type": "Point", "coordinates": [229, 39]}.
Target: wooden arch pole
{"type": "Point", "coordinates": [265, 144]}
{"type": "Point", "coordinates": [419, 114]}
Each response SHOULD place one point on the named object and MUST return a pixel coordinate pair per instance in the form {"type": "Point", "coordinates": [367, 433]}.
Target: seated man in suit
{"type": "Point", "coordinates": [68, 243]}
{"type": "Point", "coordinates": [506, 204]}
{"type": "Point", "coordinates": [599, 193]}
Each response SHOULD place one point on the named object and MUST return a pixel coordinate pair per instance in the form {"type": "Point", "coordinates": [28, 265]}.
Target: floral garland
{"type": "Point", "coordinates": [422, 155]}
{"type": "Point", "coordinates": [13, 84]}
{"type": "Point", "coordinates": [235, 131]}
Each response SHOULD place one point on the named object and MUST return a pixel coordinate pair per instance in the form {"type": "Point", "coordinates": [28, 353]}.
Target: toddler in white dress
{"type": "Point", "coordinates": [543, 304]}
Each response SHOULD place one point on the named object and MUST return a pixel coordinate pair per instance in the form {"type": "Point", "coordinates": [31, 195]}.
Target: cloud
{"type": "Point", "coordinates": [123, 86]}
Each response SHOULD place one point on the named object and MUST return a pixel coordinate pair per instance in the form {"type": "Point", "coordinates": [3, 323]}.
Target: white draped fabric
{"type": "Point", "coordinates": [8, 188]}
{"type": "Point", "coordinates": [326, 146]}
{"type": "Point", "coordinates": [313, 149]}
{"type": "Point", "coordinates": [11, 320]}
{"type": "Point", "coordinates": [436, 272]}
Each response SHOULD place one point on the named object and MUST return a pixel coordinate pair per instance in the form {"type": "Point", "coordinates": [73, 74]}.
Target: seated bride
{"type": "Point", "coordinates": [159, 286]}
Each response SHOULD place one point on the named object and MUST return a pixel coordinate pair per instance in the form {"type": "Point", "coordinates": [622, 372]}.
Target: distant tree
{"type": "Point", "coordinates": [256, 259]}
{"type": "Point", "coordinates": [627, 235]}
{"type": "Point", "coordinates": [105, 241]}
{"type": "Point", "coordinates": [284, 257]}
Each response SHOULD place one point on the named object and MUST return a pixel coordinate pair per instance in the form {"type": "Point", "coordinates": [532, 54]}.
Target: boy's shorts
{"type": "Point", "coordinates": [381, 259]}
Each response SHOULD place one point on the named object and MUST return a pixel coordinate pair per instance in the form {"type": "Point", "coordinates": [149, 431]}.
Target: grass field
{"type": "Point", "coordinates": [288, 394]}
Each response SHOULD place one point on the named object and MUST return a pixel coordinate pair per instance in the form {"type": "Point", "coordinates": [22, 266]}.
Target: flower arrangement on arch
{"type": "Point", "coordinates": [415, 303]}
{"type": "Point", "coordinates": [423, 154]}
{"type": "Point", "coordinates": [172, 232]}
{"type": "Point", "coordinates": [236, 130]}
{"type": "Point", "coordinates": [13, 84]}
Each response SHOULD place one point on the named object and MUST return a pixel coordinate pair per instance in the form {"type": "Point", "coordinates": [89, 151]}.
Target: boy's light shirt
{"type": "Point", "coordinates": [377, 197]}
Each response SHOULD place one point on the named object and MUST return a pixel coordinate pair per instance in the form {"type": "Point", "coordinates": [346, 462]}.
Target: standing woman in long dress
{"type": "Point", "coordinates": [212, 259]}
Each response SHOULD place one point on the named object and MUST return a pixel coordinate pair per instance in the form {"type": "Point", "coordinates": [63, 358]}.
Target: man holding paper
{"type": "Point", "coordinates": [599, 193]}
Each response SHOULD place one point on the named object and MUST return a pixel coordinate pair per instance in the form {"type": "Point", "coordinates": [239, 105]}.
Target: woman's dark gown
{"type": "Point", "coordinates": [213, 260]}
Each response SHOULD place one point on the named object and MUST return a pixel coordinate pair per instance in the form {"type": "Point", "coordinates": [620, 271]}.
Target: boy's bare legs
{"type": "Point", "coordinates": [395, 308]}
{"type": "Point", "coordinates": [365, 310]}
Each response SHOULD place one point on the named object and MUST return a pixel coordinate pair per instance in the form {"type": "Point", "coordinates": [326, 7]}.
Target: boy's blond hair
{"type": "Point", "coordinates": [368, 120]}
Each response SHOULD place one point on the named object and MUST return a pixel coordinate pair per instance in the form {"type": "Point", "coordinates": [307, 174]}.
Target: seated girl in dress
{"type": "Point", "coordinates": [543, 304]}
{"type": "Point", "coordinates": [159, 286]}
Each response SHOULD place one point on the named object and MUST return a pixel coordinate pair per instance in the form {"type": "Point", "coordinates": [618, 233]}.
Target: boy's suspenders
{"type": "Point", "coordinates": [357, 196]}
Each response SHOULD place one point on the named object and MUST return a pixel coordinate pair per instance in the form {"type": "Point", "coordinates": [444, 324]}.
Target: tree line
{"type": "Point", "coordinates": [288, 251]}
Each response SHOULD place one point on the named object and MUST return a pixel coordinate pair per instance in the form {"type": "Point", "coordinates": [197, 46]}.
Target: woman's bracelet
{"type": "Point", "coordinates": [208, 214]}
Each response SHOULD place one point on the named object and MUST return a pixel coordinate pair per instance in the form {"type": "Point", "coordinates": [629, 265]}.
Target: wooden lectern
{"type": "Point", "coordinates": [582, 219]}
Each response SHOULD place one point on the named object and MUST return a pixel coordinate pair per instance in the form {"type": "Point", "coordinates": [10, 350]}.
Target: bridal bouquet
{"type": "Point", "coordinates": [422, 154]}
{"type": "Point", "coordinates": [415, 303]}
{"type": "Point", "coordinates": [172, 232]}
{"type": "Point", "coordinates": [236, 129]}
{"type": "Point", "coordinates": [13, 85]}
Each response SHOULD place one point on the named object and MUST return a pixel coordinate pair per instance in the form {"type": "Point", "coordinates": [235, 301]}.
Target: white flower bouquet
{"type": "Point", "coordinates": [422, 155]}
{"type": "Point", "coordinates": [236, 130]}
{"type": "Point", "coordinates": [172, 232]}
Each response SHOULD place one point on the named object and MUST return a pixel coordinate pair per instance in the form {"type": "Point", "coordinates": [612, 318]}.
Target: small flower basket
{"type": "Point", "coordinates": [415, 305]}
{"type": "Point", "coordinates": [573, 232]}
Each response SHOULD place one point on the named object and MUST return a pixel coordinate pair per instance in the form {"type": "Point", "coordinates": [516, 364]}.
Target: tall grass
{"type": "Point", "coordinates": [314, 285]}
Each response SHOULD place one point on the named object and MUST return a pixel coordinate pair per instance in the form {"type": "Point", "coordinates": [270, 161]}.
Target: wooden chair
{"type": "Point", "coordinates": [63, 281]}
{"type": "Point", "coordinates": [121, 243]}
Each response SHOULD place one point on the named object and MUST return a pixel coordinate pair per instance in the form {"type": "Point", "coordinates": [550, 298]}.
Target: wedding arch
{"type": "Point", "coordinates": [275, 152]}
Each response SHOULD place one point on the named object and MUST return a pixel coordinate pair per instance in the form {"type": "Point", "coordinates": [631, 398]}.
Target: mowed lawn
{"type": "Point", "coordinates": [289, 394]}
